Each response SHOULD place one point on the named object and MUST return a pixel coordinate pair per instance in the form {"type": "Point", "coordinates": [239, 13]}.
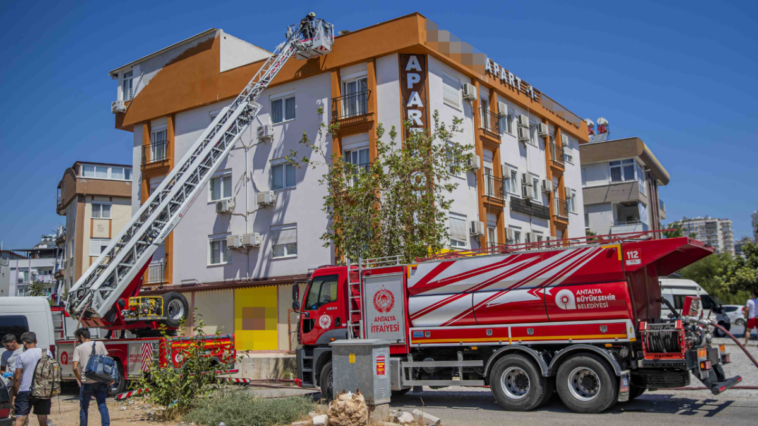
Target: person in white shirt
{"type": "Point", "coordinates": [88, 387]}
{"type": "Point", "coordinates": [751, 308]}
{"type": "Point", "coordinates": [25, 365]}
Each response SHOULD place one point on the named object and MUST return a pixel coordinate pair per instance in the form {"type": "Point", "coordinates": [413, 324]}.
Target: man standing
{"type": "Point", "coordinates": [8, 363]}
{"type": "Point", "coordinates": [25, 365]}
{"type": "Point", "coordinates": [752, 316]}
{"type": "Point", "coordinates": [89, 387]}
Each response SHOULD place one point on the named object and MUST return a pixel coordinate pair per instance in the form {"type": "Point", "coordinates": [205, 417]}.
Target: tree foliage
{"type": "Point", "coordinates": [725, 277]}
{"type": "Point", "coordinates": [398, 204]}
{"type": "Point", "coordinates": [675, 232]}
{"type": "Point", "coordinates": [36, 288]}
{"type": "Point", "coordinates": [741, 274]}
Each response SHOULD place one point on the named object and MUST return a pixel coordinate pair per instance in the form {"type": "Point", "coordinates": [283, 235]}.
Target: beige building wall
{"type": "Point", "coordinates": [216, 308]}
{"type": "Point", "coordinates": [284, 305]}
{"type": "Point", "coordinates": [121, 211]}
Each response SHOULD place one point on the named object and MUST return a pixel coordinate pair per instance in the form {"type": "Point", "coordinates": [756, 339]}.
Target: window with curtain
{"type": "Point", "coordinates": [284, 241]}
{"type": "Point", "coordinates": [283, 109]}
{"type": "Point", "coordinates": [117, 173]}
{"type": "Point", "coordinates": [101, 211]}
{"type": "Point", "coordinates": [355, 100]}
{"type": "Point", "coordinates": [218, 252]}
{"type": "Point", "coordinates": [221, 187]}
{"type": "Point", "coordinates": [282, 176]}
{"type": "Point", "coordinates": [126, 85]}
{"type": "Point", "coordinates": [458, 230]}
{"type": "Point", "coordinates": [513, 182]}
{"type": "Point", "coordinates": [536, 188]}
{"type": "Point", "coordinates": [451, 91]}
{"type": "Point", "coordinates": [98, 245]}
{"type": "Point", "coordinates": [622, 171]}
{"type": "Point", "coordinates": [641, 179]}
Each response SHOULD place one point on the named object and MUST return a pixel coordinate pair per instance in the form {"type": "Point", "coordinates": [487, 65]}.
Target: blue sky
{"type": "Point", "coordinates": [681, 76]}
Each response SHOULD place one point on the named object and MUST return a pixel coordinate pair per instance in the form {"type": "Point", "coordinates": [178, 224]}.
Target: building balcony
{"type": "Point", "coordinates": [155, 154]}
{"type": "Point", "coordinates": [624, 227]}
{"type": "Point", "coordinates": [156, 273]}
{"type": "Point", "coordinates": [351, 111]}
{"type": "Point", "coordinates": [490, 124]}
{"type": "Point", "coordinates": [494, 189]}
{"type": "Point", "coordinates": [560, 209]}
{"type": "Point", "coordinates": [558, 159]}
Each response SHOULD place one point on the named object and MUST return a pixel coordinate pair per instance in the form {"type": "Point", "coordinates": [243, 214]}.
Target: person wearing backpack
{"type": "Point", "coordinates": [82, 364]}
{"type": "Point", "coordinates": [25, 384]}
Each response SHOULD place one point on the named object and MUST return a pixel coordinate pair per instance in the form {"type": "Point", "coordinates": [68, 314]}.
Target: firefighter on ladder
{"type": "Point", "coordinates": [306, 26]}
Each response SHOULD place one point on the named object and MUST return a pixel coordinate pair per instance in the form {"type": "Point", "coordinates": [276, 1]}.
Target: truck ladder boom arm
{"type": "Point", "coordinates": [98, 289]}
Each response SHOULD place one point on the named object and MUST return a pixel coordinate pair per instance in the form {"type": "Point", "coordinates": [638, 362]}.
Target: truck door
{"type": "Point", "coordinates": [321, 312]}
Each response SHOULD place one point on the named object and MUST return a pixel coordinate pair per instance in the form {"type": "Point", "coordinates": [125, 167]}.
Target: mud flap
{"type": "Point", "coordinates": [715, 379]}
{"type": "Point", "coordinates": [624, 386]}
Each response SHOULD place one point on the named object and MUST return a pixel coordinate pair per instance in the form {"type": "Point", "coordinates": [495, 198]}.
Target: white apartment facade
{"type": "Point", "coordinates": [712, 231]}
{"type": "Point", "coordinates": [358, 86]}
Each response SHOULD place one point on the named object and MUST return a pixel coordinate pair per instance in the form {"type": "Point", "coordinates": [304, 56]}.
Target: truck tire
{"type": "Point", "coordinates": [175, 308]}
{"type": "Point", "coordinates": [517, 383]}
{"type": "Point", "coordinates": [120, 384]}
{"type": "Point", "coordinates": [587, 384]}
{"type": "Point", "coordinates": [326, 381]}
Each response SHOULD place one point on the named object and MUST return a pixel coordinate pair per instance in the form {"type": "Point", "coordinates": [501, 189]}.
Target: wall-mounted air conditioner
{"type": "Point", "coordinates": [473, 163]}
{"type": "Point", "coordinates": [476, 228]}
{"type": "Point", "coordinates": [118, 106]}
{"type": "Point", "coordinates": [266, 132]}
{"type": "Point", "coordinates": [225, 206]}
{"type": "Point", "coordinates": [265, 198]}
{"type": "Point", "coordinates": [547, 186]}
{"type": "Point", "coordinates": [506, 171]}
{"type": "Point", "coordinates": [543, 130]}
{"type": "Point", "coordinates": [251, 240]}
{"type": "Point", "coordinates": [523, 134]}
{"type": "Point", "coordinates": [469, 92]}
{"type": "Point", "coordinates": [523, 121]}
{"type": "Point", "coordinates": [502, 109]}
{"type": "Point", "coordinates": [233, 241]}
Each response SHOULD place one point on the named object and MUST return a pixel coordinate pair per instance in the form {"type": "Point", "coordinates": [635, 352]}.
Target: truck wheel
{"type": "Point", "coordinates": [175, 308]}
{"type": "Point", "coordinates": [635, 392]}
{"type": "Point", "coordinates": [586, 384]}
{"type": "Point", "coordinates": [517, 383]}
{"type": "Point", "coordinates": [120, 384]}
{"type": "Point", "coordinates": [326, 381]}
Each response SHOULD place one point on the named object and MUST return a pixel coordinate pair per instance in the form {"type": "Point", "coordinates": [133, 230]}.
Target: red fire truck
{"type": "Point", "coordinates": [580, 317]}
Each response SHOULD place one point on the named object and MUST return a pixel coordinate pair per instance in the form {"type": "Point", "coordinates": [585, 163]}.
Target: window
{"type": "Point", "coordinates": [458, 230]}
{"type": "Point", "coordinates": [283, 109]}
{"type": "Point", "coordinates": [127, 174]}
{"type": "Point", "coordinates": [572, 201]}
{"type": "Point", "coordinates": [106, 172]}
{"type": "Point", "coordinates": [358, 158]}
{"type": "Point", "coordinates": [101, 211]}
{"type": "Point", "coordinates": [221, 187]}
{"type": "Point", "coordinates": [355, 100]}
{"type": "Point", "coordinates": [451, 91]}
{"type": "Point", "coordinates": [539, 238]}
{"type": "Point", "coordinates": [284, 241]}
{"type": "Point", "coordinates": [218, 252]}
{"type": "Point", "coordinates": [506, 122]}
{"type": "Point", "coordinates": [533, 135]}
{"type": "Point", "coordinates": [536, 188]}
{"type": "Point", "coordinates": [567, 157]}
{"type": "Point", "coordinates": [13, 324]}
{"type": "Point", "coordinates": [158, 145]}
{"type": "Point", "coordinates": [322, 290]}
{"type": "Point", "coordinates": [282, 176]}
{"type": "Point", "coordinates": [587, 220]}
{"type": "Point", "coordinates": [98, 245]}
{"type": "Point", "coordinates": [126, 86]}
{"type": "Point", "coordinates": [117, 173]}
{"type": "Point", "coordinates": [516, 237]}
{"type": "Point", "coordinates": [641, 179]}
{"type": "Point", "coordinates": [512, 184]}
{"type": "Point", "coordinates": [622, 171]}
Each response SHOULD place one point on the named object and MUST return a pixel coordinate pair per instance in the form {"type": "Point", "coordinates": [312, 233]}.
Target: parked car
{"type": "Point", "coordinates": [5, 405]}
{"type": "Point", "coordinates": [676, 289]}
{"type": "Point", "coordinates": [735, 314]}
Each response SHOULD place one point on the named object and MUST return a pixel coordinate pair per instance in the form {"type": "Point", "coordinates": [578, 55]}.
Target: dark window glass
{"type": "Point", "coordinates": [323, 290]}
{"type": "Point", "coordinates": [13, 324]}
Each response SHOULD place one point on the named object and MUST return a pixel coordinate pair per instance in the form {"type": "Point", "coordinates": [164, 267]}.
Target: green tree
{"type": "Point", "coordinates": [676, 230]}
{"type": "Point", "coordinates": [398, 204]}
{"type": "Point", "coordinates": [742, 273]}
{"type": "Point", "coordinates": [36, 288]}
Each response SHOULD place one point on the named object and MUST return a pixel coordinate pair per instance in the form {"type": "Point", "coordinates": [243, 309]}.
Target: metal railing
{"type": "Point", "coordinates": [156, 273]}
{"type": "Point", "coordinates": [356, 170]}
{"type": "Point", "coordinates": [154, 152]}
{"type": "Point", "coordinates": [351, 105]}
{"type": "Point", "coordinates": [490, 122]}
{"type": "Point", "coordinates": [560, 207]}
{"type": "Point", "coordinates": [494, 187]}
{"type": "Point", "coordinates": [556, 152]}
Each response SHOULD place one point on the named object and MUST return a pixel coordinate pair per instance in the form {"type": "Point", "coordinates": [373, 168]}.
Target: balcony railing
{"type": "Point", "coordinates": [357, 169]}
{"type": "Point", "coordinates": [494, 187]}
{"type": "Point", "coordinates": [352, 105]}
{"type": "Point", "coordinates": [629, 226]}
{"type": "Point", "coordinates": [490, 122]}
{"type": "Point", "coordinates": [556, 151]}
{"type": "Point", "coordinates": [155, 152]}
{"type": "Point", "coordinates": [156, 273]}
{"type": "Point", "coordinates": [560, 208]}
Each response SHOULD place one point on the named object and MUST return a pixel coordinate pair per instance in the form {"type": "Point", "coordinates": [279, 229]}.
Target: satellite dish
{"type": "Point", "coordinates": [589, 122]}
{"type": "Point", "coordinates": [602, 121]}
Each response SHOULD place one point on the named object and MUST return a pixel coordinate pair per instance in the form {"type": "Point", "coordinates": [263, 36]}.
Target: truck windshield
{"type": "Point", "coordinates": [323, 290]}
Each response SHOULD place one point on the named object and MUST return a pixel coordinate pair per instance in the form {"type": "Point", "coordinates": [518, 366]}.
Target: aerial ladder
{"type": "Point", "coordinates": [106, 295]}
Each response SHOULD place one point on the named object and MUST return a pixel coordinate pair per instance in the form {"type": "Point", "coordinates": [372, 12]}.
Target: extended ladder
{"type": "Point", "coordinates": [117, 270]}
{"type": "Point", "coordinates": [356, 304]}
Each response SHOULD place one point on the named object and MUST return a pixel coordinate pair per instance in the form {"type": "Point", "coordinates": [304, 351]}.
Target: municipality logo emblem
{"type": "Point", "coordinates": [565, 299]}
{"type": "Point", "coordinates": [384, 301]}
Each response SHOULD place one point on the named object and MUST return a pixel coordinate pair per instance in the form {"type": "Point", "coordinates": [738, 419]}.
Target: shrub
{"type": "Point", "coordinates": [241, 407]}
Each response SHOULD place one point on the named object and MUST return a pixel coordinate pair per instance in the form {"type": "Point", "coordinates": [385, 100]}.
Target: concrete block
{"type": "Point", "coordinates": [272, 366]}
{"type": "Point", "coordinates": [404, 417]}
{"type": "Point", "coordinates": [426, 418]}
{"type": "Point", "coordinates": [379, 413]}
{"type": "Point", "coordinates": [320, 420]}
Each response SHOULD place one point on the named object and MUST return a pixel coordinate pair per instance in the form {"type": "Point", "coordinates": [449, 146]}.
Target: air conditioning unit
{"type": "Point", "coordinates": [508, 234]}
{"type": "Point", "coordinates": [547, 186]}
{"type": "Point", "coordinates": [251, 240]}
{"type": "Point", "coordinates": [502, 109]}
{"type": "Point", "coordinates": [476, 228]}
{"type": "Point", "coordinates": [473, 163]}
{"type": "Point", "coordinates": [225, 206]}
{"type": "Point", "coordinates": [523, 134]}
{"type": "Point", "coordinates": [233, 241]}
{"type": "Point", "coordinates": [266, 132]}
{"type": "Point", "coordinates": [523, 121]}
{"type": "Point", "coordinates": [469, 92]}
{"type": "Point", "coordinates": [506, 171]}
{"type": "Point", "coordinates": [118, 106]}
{"type": "Point", "coordinates": [543, 130]}
{"type": "Point", "coordinates": [564, 142]}
{"type": "Point", "coordinates": [265, 198]}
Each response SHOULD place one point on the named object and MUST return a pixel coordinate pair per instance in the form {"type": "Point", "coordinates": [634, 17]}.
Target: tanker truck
{"type": "Point", "coordinates": [580, 317]}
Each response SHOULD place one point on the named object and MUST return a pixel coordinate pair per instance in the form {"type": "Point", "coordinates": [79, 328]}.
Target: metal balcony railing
{"type": "Point", "coordinates": [156, 273]}
{"type": "Point", "coordinates": [351, 105]}
{"type": "Point", "coordinates": [560, 207]}
{"type": "Point", "coordinates": [494, 187]}
{"type": "Point", "coordinates": [490, 122]}
{"type": "Point", "coordinates": [357, 169]}
{"type": "Point", "coordinates": [556, 152]}
{"type": "Point", "coordinates": [154, 152]}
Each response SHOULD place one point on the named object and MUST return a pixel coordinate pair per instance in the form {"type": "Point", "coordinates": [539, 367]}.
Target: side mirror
{"type": "Point", "coordinates": [295, 293]}
{"type": "Point", "coordinates": [295, 306]}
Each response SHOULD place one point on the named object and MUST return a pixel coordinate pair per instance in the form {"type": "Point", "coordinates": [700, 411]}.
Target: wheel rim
{"type": "Point", "coordinates": [117, 384]}
{"type": "Point", "coordinates": [330, 385]}
{"type": "Point", "coordinates": [515, 382]}
{"type": "Point", "coordinates": [584, 383]}
{"type": "Point", "coordinates": [176, 309]}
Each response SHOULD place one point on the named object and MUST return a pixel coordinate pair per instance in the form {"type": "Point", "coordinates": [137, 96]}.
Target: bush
{"type": "Point", "coordinates": [240, 407]}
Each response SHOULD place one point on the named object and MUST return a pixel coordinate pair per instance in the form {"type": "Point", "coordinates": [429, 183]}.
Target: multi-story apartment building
{"type": "Point", "coordinates": [620, 181]}
{"type": "Point", "coordinates": [523, 186]}
{"type": "Point", "coordinates": [739, 244]}
{"type": "Point", "coordinates": [96, 200]}
{"type": "Point", "coordinates": [33, 265]}
{"type": "Point", "coordinates": [8, 257]}
{"type": "Point", "coordinates": [717, 233]}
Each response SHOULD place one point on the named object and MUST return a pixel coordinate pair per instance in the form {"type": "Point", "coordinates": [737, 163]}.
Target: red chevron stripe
{"type": "Point", "coordinates": [460, 277]}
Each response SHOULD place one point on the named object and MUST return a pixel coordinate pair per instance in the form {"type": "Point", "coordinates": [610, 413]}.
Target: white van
{"type": "Point", "coordinates": [21, 314]}
{"type": "Point", "coordinates": [676, 289]}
